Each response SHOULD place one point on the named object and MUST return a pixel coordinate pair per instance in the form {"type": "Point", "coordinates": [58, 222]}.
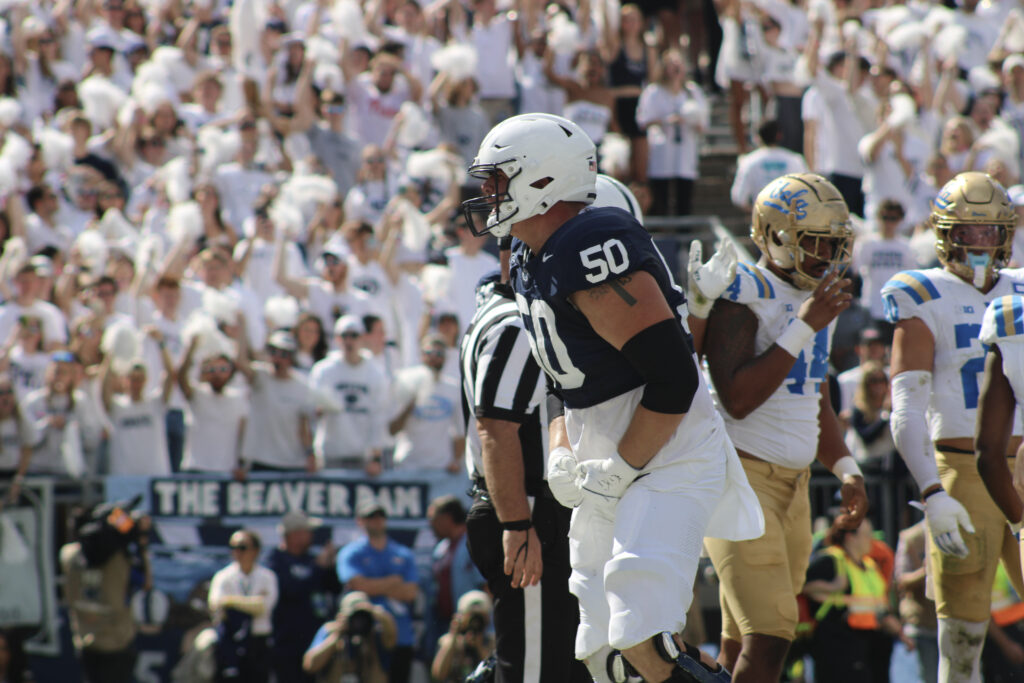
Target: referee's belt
{"type": "Point", "coordinates": [538, 488]}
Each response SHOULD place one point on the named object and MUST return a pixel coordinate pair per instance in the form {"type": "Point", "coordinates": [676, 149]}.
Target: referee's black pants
{"type": "Point", "coordinates": [520, 623]}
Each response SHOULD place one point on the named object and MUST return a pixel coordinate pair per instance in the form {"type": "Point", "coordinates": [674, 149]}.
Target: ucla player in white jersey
{"type": "Point", "coordinates": [937, 362]}
{"type": "Point", "coordinates": [640, 452]}
{"type": "Point", "coordinates": [767, 344]}
{"type": "Point", "coordinates": [1001, 404]}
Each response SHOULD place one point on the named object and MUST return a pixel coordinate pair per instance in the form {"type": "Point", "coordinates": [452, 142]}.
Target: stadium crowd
{"type": "Point", "coordinates": [230, 237]}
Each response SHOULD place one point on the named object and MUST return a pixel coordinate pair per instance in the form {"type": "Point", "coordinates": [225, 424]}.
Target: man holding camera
{"type": "Point", "coordinates": [111, 540]}
{"type": "Point", "coordinates": [467, 642]}
{"type": "Point", "coordinates": [386, 572]}
{"type": "Point", "coordinates": [353, 643]}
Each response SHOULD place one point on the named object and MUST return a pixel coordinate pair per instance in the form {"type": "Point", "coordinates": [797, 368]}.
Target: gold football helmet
{"type": "Point", "coordinates": [801, 215]}
{"type": "Point", "coordinates": [966, 204]}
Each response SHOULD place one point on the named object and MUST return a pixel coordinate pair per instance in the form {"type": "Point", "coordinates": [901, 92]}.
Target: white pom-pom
{"type": "Point", "coordinates": [10, 111]}
{"type": "Point", "coordinates": [614, 154]}
{"type": "Point", "coordinates": [101, 100]}
{"type": "Point", "coordinates": [152, 96]}
{"type": "Point", "coordinates": [199, 324]}
{"type": "Point", "coordinates": [222, 307]}
{"type": "Point", "coordinates": [149, 253]}
{"type": "Point", "coordinates": [15, 254]}
{"type": "Point", "coordinates": [321, 50]}
{"type": "Point", "coordinates": [563, 35]}
{"type": "Point", "coordinates": [347, 20]}
{"type": "Point", "coordinates": [57, 149]}
{"type": "Point", "coordinates": [937, 19]}
{"type": "Point", "coordinates": [981, 78]}
{"type": "Point", "coordinates": [92, 249]}
{"type": "Point", "coordinates": [850, 29]}
{"type": "Point", "coordinates": [286, 217]}
{"type": "Point", "coordinates": [219, 146]}
{"type": "Point", "coordinates": [173, 60]}
{"type": "Point", "coordinates": [903, 110]}
{"type": "Point", "coordinates": [415, 126]}
{"type": "Point", "coordinates": [951, 42]}
{"type": "Point", "coordinates": [281, 312]}
{"type": "Point", "coordinates": [114, 226]}
{"type": "Point", "coordinates": [328, 77]}
{"type": "Point", "coordinates": [121, 343]}
{"type": "Point", "coordinates": [177, 179]}
{"type": "Point", "coordinates": [908, 36]}
{"type": "Point", "coordinates": [210, 341]}
{"type": "Point", "coordinates": [324, 401]}
{"type": "Point", "coordinates": [458, 60]}
{"type": "Point", "coordinates": [16, 152]}
{"type": "Point", "coordinates": [185, 222]}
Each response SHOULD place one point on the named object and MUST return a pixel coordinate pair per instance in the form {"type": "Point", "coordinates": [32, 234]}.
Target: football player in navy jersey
{"type": "Point", "coordinates": [640, 452]}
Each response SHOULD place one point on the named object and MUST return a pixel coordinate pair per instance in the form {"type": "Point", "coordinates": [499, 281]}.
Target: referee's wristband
{"type": "Point", "coordinates": [517, 525]}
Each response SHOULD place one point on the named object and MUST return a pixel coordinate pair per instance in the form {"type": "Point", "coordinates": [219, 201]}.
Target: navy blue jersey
{"type": "Point", "coordinates": [594, 247]}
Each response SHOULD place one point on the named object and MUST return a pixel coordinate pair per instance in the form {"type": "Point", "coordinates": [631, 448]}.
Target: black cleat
{"type": "Point", "coordinates": [689, 668]}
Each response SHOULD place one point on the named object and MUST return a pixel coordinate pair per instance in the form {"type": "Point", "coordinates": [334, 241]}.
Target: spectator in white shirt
{"type": "Point", "coordinates": [766, 163]}
{"type": "Point", "coordinates": [353, 436]}
{"type": "Point", "coordinates": [674, 113]}
{"type": "Point", "coordinates": [246, 587]}
{"type": "Point", "coordinates": [216, 416]}
{"type": "Point", "coordinates": [878, 256]}
{"type": "Point", "coordinates": [205, 107]}
{"type": "Point", "coordinates": [42, 225]}
{"type": "Point", "coordinates": [138, 441]}
{"type": "Point", "coordinates": [27, 302]}
{"type": "Point", "coordinates": [17, 436]}
{"type": "Point", "coordinates": [468, 262]}
{"type": "Point", "coordinates": [377, 96]}
{"type": "Point", "coordinates": [429, 429]}
{"type": "Point", "coordinates": [329, 296]}
{"type": "Point", "coordinates": [24, 357]}
{"type": "Point", "coordinates": [240, 182]}
{"type": "Point", "coordinates": [278, 436]}
{"type": "Point", "coordinates": [494, 36]}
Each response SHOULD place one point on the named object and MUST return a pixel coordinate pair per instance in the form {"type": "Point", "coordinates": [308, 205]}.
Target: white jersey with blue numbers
{"type": "Point", "coordinates": [784, 429]}
{"type": "Point", "coordinates": [952, 310]}
{"type": "Point", "coordinates": [1003, 326]}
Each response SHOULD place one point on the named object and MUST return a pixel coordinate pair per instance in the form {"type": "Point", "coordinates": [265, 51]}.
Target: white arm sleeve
{"type": "Point", "coordinates": [910, 393]}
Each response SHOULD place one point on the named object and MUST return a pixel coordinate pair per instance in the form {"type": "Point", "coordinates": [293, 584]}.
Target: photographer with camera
{"type": "Point", "coordinates": [100, 568]}
{"type": "Point", "coordinates": [350, 647]}
{"type": "Point", "coordinates": [468, 641]}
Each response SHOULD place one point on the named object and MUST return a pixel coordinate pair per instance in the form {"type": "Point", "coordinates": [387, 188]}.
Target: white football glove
{"type": "Point", "coordinates": [706, 282]}
{"type": "Point", "coordinates": [563, 477]}
{"type": "Point", "coordinates": [945, 516]}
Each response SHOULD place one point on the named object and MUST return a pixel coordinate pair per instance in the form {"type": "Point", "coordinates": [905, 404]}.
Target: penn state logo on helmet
{"type": "Point", "coordinates": [974, 221]}
{"type": "Point", "coordinates": [801, 223]}
{"type": "Point", "coordinates": [528, 164]}
{"type": "Point", "coordinates": [612, 192]}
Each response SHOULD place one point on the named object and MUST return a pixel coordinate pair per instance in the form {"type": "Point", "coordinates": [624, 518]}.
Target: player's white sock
{"type": "Point", "coordinates": [960, 645]}
{"type": "Point", "coordinates": [597, 665]}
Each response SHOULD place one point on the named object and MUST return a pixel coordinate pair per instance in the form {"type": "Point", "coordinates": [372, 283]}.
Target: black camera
{"type": "Point", "coordinates": [476, 624]}
{"type": "Point", "coordinates": [360, 623]}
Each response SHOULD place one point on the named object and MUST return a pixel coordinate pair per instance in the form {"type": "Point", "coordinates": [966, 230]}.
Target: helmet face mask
{"type": "Point", "coordinates": [492, 213]}
{"type": "Point", "coordinates": [530, 163]}
{"type": "Point", "coordinates": [974, 223]}
{"type": "Point", "coordinates": [801, 224]}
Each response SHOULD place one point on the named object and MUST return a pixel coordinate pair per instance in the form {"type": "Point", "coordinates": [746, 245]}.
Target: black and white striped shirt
{"type": "Point", "coordinates": [501, 380]}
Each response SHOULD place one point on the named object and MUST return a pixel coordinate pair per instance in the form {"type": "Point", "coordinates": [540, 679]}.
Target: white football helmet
{"type": "Point", "coordinates": [544, 159]}
{"type": "Point", "coordinates": [612, 192]}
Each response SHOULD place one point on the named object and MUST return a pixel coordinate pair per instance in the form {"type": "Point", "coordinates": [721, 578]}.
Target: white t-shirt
{"type": "Point", "coordinates": [39, 235]}
{"type": "Point", "coordinates": [839, 129]}
{"type": "Point", "coordinates": [758, 168]}
{"type": "Point", "coordinates": [372, 111]}
{"type": "Point", "coordinates": [259, 273]}
{"type": "Point", "coordinates": [466, 272]}
{"type": "Point", "coordinates": [259, 582]}
{"type": "Point", "coordinates": [362, 392]}
{"type": "Point", "coordinates": [329, 305]}
{"type": "Point", "coordinates": [272, 430]}
{"type": "Point", "coordinates": [876, 260]}
{"type": "Point", "coordinates": [211, 442]}
{"type": "Point", "coordinates": [673, 147]}
{"type": "Point", "coordinates": [239, 188]}
{"type": "Point", "coordinates": [28, 371]}
{"type": "Point", "coordinates": [425, 441]}
{"type": "Point", "coordinates": [138, 442]}
{"type": "Point", "coordinates": [495, 67]}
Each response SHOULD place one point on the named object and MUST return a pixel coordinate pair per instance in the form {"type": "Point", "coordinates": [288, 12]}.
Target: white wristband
{"type": "Point", "coordinates": [845, 467]}
{"type": "Point", "coordinates": [795, 337]}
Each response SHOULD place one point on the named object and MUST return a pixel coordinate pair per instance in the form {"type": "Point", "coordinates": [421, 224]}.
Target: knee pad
{"type": "Point", "coordinates": [688, 665]}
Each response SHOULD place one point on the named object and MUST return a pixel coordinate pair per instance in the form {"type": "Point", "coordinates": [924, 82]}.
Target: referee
{"type": "Point", "coordinates": [517, 532]}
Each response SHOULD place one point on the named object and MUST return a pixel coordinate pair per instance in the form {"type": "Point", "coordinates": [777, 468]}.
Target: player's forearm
{"type": "Point", "coordinates": [748, 386]}
{"type": "Point", "coordinates": [994, 430]}
{"type": "Point", "coordinates": [374, 587]}
{"type": "Point", "coordinates": [503, 468]}
{"type": "Point", "coordinates": [647, 433]}
{"type": "Point", "coordinates": [831, 446]}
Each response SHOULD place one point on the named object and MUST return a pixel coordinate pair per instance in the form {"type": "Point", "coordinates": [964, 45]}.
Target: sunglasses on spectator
{"type": "Point", "coordinates": [433, 352]}
{"type": "Point", "coordinates": [279, 353]}
{"type": "Point", "coordinates": [376, 160]}
{"type": "Point", "coordinates": [349, 335]}
{"type": "Point", "coordinates": [46, 40]}
{"type": "Point", "coordinates": [240, 547]}
{"type": "Point", "coordinates": [335, 108]}
{"type": "Point", "coordinates": [222, 367]}
{"type": "Point", "coordinates": [247, 125]}
{"type": "Point", "coordinates": [892, 218]}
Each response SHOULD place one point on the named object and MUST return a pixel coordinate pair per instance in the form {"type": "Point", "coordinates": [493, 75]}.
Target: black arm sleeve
{"type": "Point", "coordinates": [663, 356]}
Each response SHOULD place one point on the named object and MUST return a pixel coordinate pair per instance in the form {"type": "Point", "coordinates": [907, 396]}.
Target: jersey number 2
{"type": "Point", "coordinates": [966, 334]}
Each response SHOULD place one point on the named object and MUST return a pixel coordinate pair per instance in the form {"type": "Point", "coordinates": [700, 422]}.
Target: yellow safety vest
{"type": "Point", "coordinates": [866, 599]}
{"type": "Point", "coordinates": [1007, 607]}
